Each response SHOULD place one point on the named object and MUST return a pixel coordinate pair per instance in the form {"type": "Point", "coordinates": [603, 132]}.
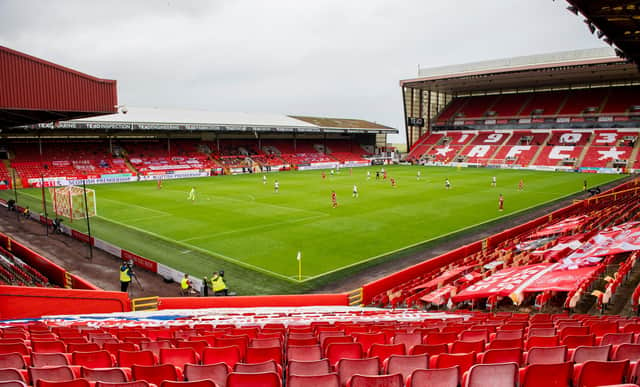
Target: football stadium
{"type": "Point", "coordinates": [146, 246]}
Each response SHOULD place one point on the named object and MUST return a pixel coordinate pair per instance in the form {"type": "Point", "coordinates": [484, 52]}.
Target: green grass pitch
{"type": "Point", "coordinates": [237, 221]}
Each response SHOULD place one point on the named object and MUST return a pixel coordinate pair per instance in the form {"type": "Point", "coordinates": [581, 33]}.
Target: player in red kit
{"type": "Point", "coordinates": [384, 176]}
{"type": "Point", "coordinates": [334, 199]}
{"type": "Point", "coordinates": [393, 182]}
{"type": "Point", "coordinates": [520, 185]}
{"type": "Point", "coordinates": [159, 183]}
{"type": "Point", "coordinates": [500, 203]}
{"type": "Point", "coordinates": [324, 175]}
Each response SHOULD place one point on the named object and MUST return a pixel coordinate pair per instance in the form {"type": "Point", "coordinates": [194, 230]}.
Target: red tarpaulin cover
{"type": "Point", "coordinates": [526, 279]}
{"type": "Point", "coordinates": [613, 240]}
{"type": "Point", "coordinates": [562, 226]}
{"type": "Point", "coordinates": [444, 277]}
{"type": "Point", "coordinates": [439, 296]}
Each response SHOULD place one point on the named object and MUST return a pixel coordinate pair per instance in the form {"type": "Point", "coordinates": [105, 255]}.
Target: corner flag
{"type": "Point", "coordinates": [299, 258]}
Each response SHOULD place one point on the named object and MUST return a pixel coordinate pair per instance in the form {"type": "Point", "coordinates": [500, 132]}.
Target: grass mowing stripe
{"type": "Point", "coordinates": [187, 245]}
{"type": "Point", "coordinates": [257, 227]}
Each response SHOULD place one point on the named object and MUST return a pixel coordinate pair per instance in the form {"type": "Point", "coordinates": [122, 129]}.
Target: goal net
{"type": "Point", "coordinates": [68, 201]}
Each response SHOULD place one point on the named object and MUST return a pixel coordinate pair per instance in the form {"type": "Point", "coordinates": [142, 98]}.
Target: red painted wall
{"type": "Point", "coordinates": [252, 302]}
{"type": "Point", "coordinates": [18, 302]}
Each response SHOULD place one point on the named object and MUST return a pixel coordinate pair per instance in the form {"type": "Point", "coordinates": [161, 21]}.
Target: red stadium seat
{"type": "Point", "coordinates": [437, 377]}
{"type": "Point", "coordinates": [446, 360]}
{"type": "Point", "coordinates": [308, 368]}
{"type": "Point", "coordinates": [216, 372]}
{"type": "Point", "coordinates": [542, 341]}
{"type": "Point", "coordinates": [346, 368]}
{"type": "Point", "coordinates": [12, 360]}
{"type": "Point", "coordinates": [405, 364]}
{"type": "Point", "coordinates": [492, 356]}
{"type": "Point", "coordinates": [155, 346]}
{"type": "Point", "coordinates": [337, 351]}
{"type": "Point", "coordinates": [54, 346]}
{"type": "Point", "coordinates": [368, 339]}
{"type": "Point", "coordinates": [54, 374]}
{"type": "Point", "coordinates": [547, 375]}
{"type": "Point", "coordinates": [195, 383]}
{"type": "Point", "coordinates": [546, 355]}
{"type": "Point", "coordinates": [65, 383]}
{"type": "Point", "coordinates": [601, 373]}
{"type": "Point", "coordinates": [495, 375]}
{"type": "Point", "coordinates": [136, 383]}
{"type": "Point", "coordinates": [264, 379]}
{"type": "Point", "coordinates": [383, 351]}
{"type": "Point", "coordinates": [505, 344]}
{"type": "Point", "coordinates": [178, 356]}
{"type": "Point", "coordinates": [82, 347]}
{"type": "Point", "coordinates": [129, 358]}
{"type": "Point", "coordinates": [228, 355]}
{"type": "Point", "coordinates": [20, 348]}
{"type": "Point", "coordinates": [429, 349]}
{"type": "Point", "coordinates": [260, 354]}
{"type": "Point", "coordinates": [156, 374]}
{"type": "Point", "coordinates": [12, 383]}
{"type": "Point", "coordinates": [440, 338]}
{"type": "Point", "coordinates": [266, 366]}
{"type": "Point", "coordinates": [574, 341]}
{"type": "Point", "coordinates": [97, 359]}
{"type": "Point", "coordinates": [408, 339]}
{"type": "Point", "coordinates": [394, 380]}
{"type": "Point", "coordinates": [467, 346]}
{"type": "Point", "coordinates": [583, 353]}
{"type": "Point", "coordinates": [323, 380]}
{"type": "Point", "coordinates": [46, 359]}
{"type": "Point", "coordinates": [11, 374]}
{"type": "Point", "coordinates": [110, 375]}
{"type": "Point", "coordinates": [304, 353]}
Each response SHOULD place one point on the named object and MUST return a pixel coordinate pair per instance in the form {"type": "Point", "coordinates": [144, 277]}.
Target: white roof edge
{"type": "Point", "coordinates": [520, 61]}
{"type": "Point", "coordinates": [184, 116]}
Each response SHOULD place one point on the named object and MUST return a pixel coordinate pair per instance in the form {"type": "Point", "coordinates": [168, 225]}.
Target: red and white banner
{"type": "Point", "coordinates": [503, 283]}
{"type": "Point", "coordinates": [560, 280]}
{"type": "Point", "coordinates": [613, 240]}
{"type": "Point", "coordinates": [562, 226]}
{"type": "Point", "coordinates": [439, 296]}
{"type": "Point", "coordinates": [515, 281]}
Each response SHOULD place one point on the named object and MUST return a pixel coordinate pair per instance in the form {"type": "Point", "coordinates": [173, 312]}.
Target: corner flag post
{"type": "Point", "coordinates": [299, 258]}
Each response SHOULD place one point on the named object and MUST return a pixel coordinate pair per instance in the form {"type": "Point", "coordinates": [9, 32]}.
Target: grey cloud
{"type": "Point", "coordinates": [322, 57]}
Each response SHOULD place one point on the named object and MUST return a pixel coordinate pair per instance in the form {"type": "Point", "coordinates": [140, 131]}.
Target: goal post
{"type": "Point", "coordinates": [68, 201]}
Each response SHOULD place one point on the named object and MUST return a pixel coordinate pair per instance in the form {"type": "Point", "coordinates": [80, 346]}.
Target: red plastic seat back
{"type": "Point", "coordinates": [54, 374]}
{"type": "Point", "coordinates": [10, 374]}
{"type": "Point", "coordinates": [324, 380]}
{"type": "Point", "coordinates": [228, 355]}
{"type": "Point", "coordinates": [495, 375]}
{"type": "Point", "coordinates": [308, 368]}
{"type": "Point", "coordinates": [264, 379]}
{"type": "Point", "coordinates": [462, 360]}
{"type": "Point", "coordinates": [601, 373]}
{"type": "Point", "coordinates": [542, 341]}
{"type": "Point", "coordinates": [436, 377]}
{"type": "Point", "coordinates": [12, 360]}
{"type": "Point", "coordinates": [405, 364]}
{"type": "Point", "coordinates": [626, 352]}
{"type": "Point", "coordinates": [582, 354]}
{"type": "Point", "coordinates": [337, 351]}
{"type": "Point", "coordinates": [429, 349]}
{"type": "Point", "coordinates": [46, 359]}
{"type": "Point", "coordinates": [260, 354]}
{"type": "Point", "coordinates": [110, 375]}
{"type": "Point", "coordinates": [394, 380]}
{"type": "Point", "coordinates": [304, 353]}
{"type": "Point", "coordinates": [545, 375]}
{"type": "Point", "coordinates": [547, 355]}
{"type": "Point", "coordinates": [129, 358]}
{"type": "Point", "coordinates": [155, 374]}
{"type": "Point", "coordinates": [67, 383]}
{"type": "Point", "coordinates": [96, 359]}
{"type": "Point", "coordinates": [216, 372]}
{"type": "Point", "coordinates": [195, 383]}
{"type": "Point", "coordinates": [346, 368]}
{"type": "Point", "coordinates": [509, 355]}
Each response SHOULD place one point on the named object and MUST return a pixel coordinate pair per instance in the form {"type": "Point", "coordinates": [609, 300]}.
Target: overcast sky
{"type": "Point", "coordinates": [336, 58]}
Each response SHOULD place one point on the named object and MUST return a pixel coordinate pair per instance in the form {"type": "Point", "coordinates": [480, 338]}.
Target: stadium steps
{"type": "Point", "coordinates": [634, 155]}
{"type": "Point", "coordinates": [585, 150]}
{"type": "Point", "coordinates": [497, 152]}
{"type": "Point", "coordinates": [561, 105]}
{"type": "Point", "coordinates": [540, 149]}
{"type": "Point", "coordinates": [464, 147]}
{"type": "Point", "coordinates": [129, 165]}
{"type": "Point", "coordinates": [622, 300]}
{"type": "Point", "coordinates": [524, 105]}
